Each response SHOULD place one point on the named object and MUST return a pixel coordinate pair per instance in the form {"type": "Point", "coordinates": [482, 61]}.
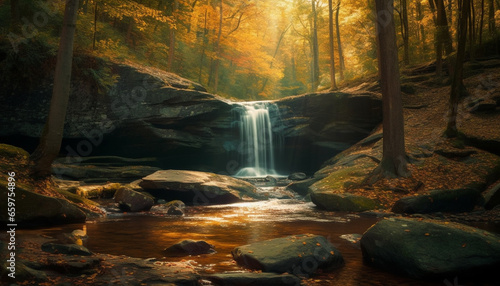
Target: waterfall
{"type": "Point", "coordinates": [257, 140]}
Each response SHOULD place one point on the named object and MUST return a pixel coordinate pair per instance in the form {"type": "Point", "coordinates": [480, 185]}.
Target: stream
{"type": "Point", "coordinates": [145, 235]}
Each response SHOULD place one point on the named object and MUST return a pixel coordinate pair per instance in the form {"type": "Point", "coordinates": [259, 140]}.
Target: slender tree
{"type": "Point", "coordinates": [404, 32]}
{"type": "Point", "coordinates": [491, 18]}
{"type": "Point", "coordinates": [315, 47]}
{"type": "Point", "coordinates": [332, 55]}
{"type": "Point", "coordinates": [171, 47]}
{"type": "Point", "coordinates": [50, 142]}
{"type": "Point", "coordinates": [339, 43]}
{"type": "Point", "coordinates": [394, 162]}
{"type": "Point", "coordinates": [218, 49]}
{"type": "Point", "coordinates": [457, 78]}
{"type": "Point", "coordinates": [442, 36]}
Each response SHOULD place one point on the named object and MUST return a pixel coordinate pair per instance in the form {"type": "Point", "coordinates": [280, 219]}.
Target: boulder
{"type": "Point", "coordinates": [297, 176]}
{"type": "Point", "coordinates": [302, 187]}
{"type": "Point", "coordinates": [131, 201]}
{"type": "Point", "coordinates": [253, 279]}
{"type": "Point", "coordinates": [427, 249]}
{"type": "Point", "coordinates": [69, 249]}
{"type": "Point", "coordinates": [460, 200]}
{"type": "Point", "coordinates": [345, 202]}
{"type": "Point", "coordinates": [198, 188]}
{"type": "Point", "coordinates": [492, 197]}
{"type": "Point", "coordinates": [34, 209]}
{"type": "Point", "coordinates": [297, 254]}
{"type": "Point", "coordinates": [189, 247]}
{"type": "Point", "coordinates": [106, 191]}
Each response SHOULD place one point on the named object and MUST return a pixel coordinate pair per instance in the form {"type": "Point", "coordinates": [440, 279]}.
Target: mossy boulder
{"type": "Point", "coordinates": [343, 202]}
{"type": "Point", "coordinates": [460, 200]}
{"type": "Point", "coordinates": [34, 209]}
{"type": "Point", "coordinates": [429, 249]}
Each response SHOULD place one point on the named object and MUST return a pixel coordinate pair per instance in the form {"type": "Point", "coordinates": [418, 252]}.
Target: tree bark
{"type": "Point", "coordinates": [218, 52]}
{"type": "Point", "coordinates": [442, 36]}
{"type": "Point", "coordinates": [95, 26]}
{"type": "Point", "coordinates": [394, 162]}
{"type": "Point", "coordinates": [491, 18]}
{"type": "Point", "coordinates": [404, 32]}
{"type": "Point", "coordinates": [332, 51]}
{"type": "Point", "coordinates": [339, 44]}
{"type": "Point", "coordinates": [50, 142]}
{"type": "Point", "coordinates": [315, 48]}
{"type": "Point", "coordinates": [171, 47]}
{"type": "Point", "coordinates": [457, 80]}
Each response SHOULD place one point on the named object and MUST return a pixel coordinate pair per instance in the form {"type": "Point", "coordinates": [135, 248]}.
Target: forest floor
{"type": "Point", "coordinates": [436, 162]}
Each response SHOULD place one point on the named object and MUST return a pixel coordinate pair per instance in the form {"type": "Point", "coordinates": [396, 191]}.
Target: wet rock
{"type": "Point", "coordinates": [174, 207]}
{"type": "Point", "coordinates": [73, 265]}
{"type": "Point", "coordinates": [460, 200]}
{"type": "Point", "coordinates": [298, 255]}
{"type": "Point", "coordinates": [69, 249]}
{"type": "Point", "coordinates": [198, 188]}
{"type": "Point", "coordinates": [426, 249]}
{"type": "Point", "coordinates": [302, 187]}
{"type": "Point", "coordinates": [253, 279]}
{"type": "Point", "coordinates": [106, 191]}
{"type": "Point", "coordinates": [189, 247]}
{"type": "Point", "coordinates": [298, 176]}
{"type": "Point", "coordinates": [132, 201]}
{"type": "Point", "coordinates": [492, 197]}
{"type": "Point", "coordinates": [342, 202]}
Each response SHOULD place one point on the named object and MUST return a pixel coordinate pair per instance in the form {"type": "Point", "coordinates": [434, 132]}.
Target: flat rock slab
{"type": "Point", "coordinates": [299, 254]}
{"type": "Point", "coordinates": [198, 188]}
{"type": "Point", "coordinates": [428, 249]}
{"type": "Point", "coordinates": [254, 279]}
{"type": "Point", "coordinates": [460, 200]}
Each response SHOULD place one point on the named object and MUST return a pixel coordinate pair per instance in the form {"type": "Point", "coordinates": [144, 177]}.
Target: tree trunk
{"type": "Point", "coordinates": [442, 36]}
{"type": "Point", "coordinates": [481, 24]}
{"type": "Point", "coordinates": [404, 32]}
{"type": "Point", "coordinates": [472, 28]}
{"type": "Point", "coordinates": [50, 142]}
{"type": "Point", "coordinates": [394, 161]}
{"type": "Point", "coordinates": [203, 48]}
{"type": "Point", "coordinates": [95, 25]}
{"type": "Point", "coordinates": [420, 17]}
{"type": "Point", "coordinates": [218, 52]}
{"type": "Point", "coordinates": [332, 55]}
{"type": "Point", "coordinates": [457, 80]}
{"type": "Point", "coordinates": [171, 47]}
{"type": "Point", "coordinates": [339, 43]}
{"type": "Point", "coordinates": [491, 18]}
{"type": "Point", "coordinates": [315, 48]}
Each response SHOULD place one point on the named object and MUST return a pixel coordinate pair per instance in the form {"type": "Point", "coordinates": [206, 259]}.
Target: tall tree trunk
{"type": "Point", "coordinates": [95, 25]}
{"type": "Point", "coordinates": [394, 163]}
{"type": "Point", "coordinates": [315, 48]}
{"type": "Point", "coordinates": [217, 49]}
{"type": "Point", "coordinates": [472, 28]}
{"type": "Point", "coordinates": [457, 80]}
{"type": "Point", "coordinates": [332, 55]}
{"type": "Point", "coordinates": [404, 32]}
{"type": "Point", "coordinates": [204, 46]}
{"type": "Point", "coordinates": [50, 142]}
{"type": "Point", "coordinates": [481, 24]}
{"type": "Point", "coordinates": [443, 35]}
{"type": "Point", "coordinates": [339, 43]}
{"type": "Point", "coordinates": [421, 27]}
{"type": "Point", "coordinates": [171, 47]}
{"type": "Point", "coordinates": [491, 18]}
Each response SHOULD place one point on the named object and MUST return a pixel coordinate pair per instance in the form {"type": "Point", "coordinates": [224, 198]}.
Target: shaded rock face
{"type": "Point", "coordinates": [301, 255]}
{"type": "Point", "coordinates": [261, 279]}
{"type": "Point", "coordinates": [197, 188]}
{"type": "Point", "coordinates": [319, 125]}
{"type": "Point", "coordinates": [427, 249]}
{"type": "Point", "coordinates": [342, 202]}
{"type": "Point", "coordinates": [150, 113]}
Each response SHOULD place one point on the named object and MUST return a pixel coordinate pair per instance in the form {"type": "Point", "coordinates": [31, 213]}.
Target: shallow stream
{"type": "Point", "coordinates": [227, 226]}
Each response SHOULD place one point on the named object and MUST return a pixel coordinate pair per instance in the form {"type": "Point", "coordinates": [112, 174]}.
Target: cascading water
{"type": "Point", "coordinates": [258, 142]}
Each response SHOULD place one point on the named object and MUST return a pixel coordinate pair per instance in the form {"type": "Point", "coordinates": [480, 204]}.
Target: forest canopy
{"type": "Point", "coordinates": [240, 49]}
